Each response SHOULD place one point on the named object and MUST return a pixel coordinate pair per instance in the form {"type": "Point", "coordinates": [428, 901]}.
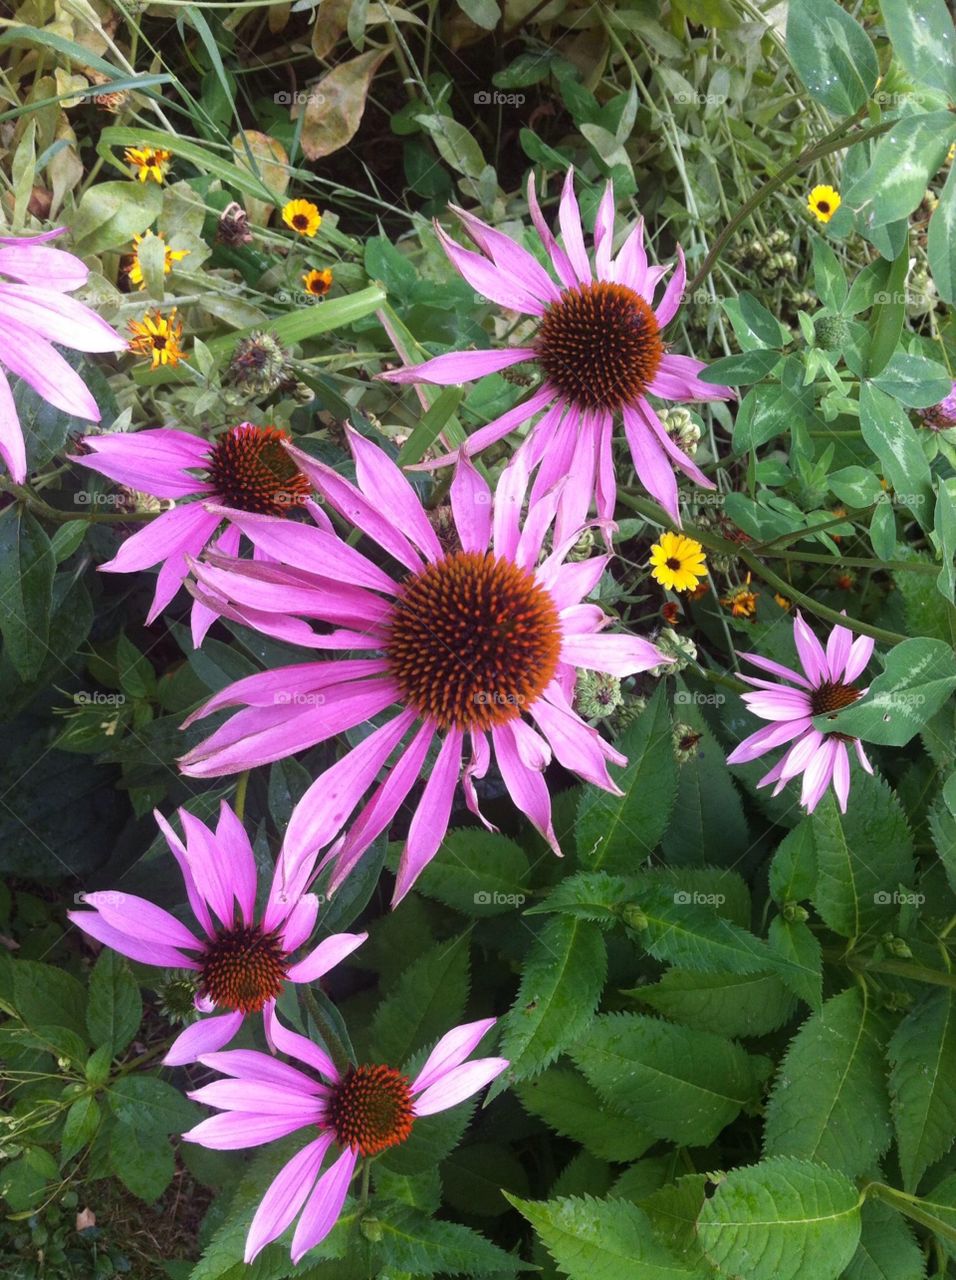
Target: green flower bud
{"type": "Point", "coordinates": [681, 651]}
{"type": "Point", "coordinates": [686, 741]}
{"type": "Point", "coordinates": [258, 364]}
{"type": "Point", "coordinates": [832, 333]}
{"type": "Point", "coordinates": [793, 913]}
{"type": "Point", "coordinates": [371, 1229]}
{"type": "Point", "coordinates": [597, 694]}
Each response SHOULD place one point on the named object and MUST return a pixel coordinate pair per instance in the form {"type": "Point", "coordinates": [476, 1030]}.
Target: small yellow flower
{"type": "Point", "coordinates": [782, 601]}
{"type": "Point", "coordinates": [678, 562]}
{"type": "Point", "coordinates": [302, 216]}
{"type": "Point", "coordinates": [171, 256]}
{"type": "Point", "coordinates": [158, 337]}
{"type": "Point", "coordinates": [823, 203]}
{"type": "Point", "coordinates": [152, 162]}
{"type": "Point", "coordinates": [742, 603]}
{"type": "Point", "coordinates": [318, 283]}
{"type": "Point", "coordinates": [951, 153]}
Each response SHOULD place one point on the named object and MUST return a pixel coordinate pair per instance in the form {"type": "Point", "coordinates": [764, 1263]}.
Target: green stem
{"type": "Point", "coordinates": [912, 1207]}
{"type": "Point", "coordinates": [239, 804]}
{"type": "Point", "coordinates": [363, 1194]}
{"type": "Point", "coordinates": [55, 516]}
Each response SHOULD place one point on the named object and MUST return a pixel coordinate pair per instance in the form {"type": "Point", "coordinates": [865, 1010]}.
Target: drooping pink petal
{"type": "Point", "coordinates": [458, 1084]}
{"type": "Point", "coordinates": [509, 290]}
{"type": "Point", "coordinates": [325, 956]}
{"type": "Point", "coordinates": [41, 366]}
{"type": "Point", "coordinates": [300, 921]}
{"type": "Point", "coordinates": [778, 704]}
{"type": "Point", "coordinates": [12, 445]}
{"type": "Point", "coordinates": [58, 318]}
{"type": "Point", "coordinates": [575, 499]}
{"type": "Point", "coordinates": [509, 498]}
{"type": "Point", "coordinates": [511, 258]}
{"type": "Point", "coordinates": [617, 654]}
{"type": "Point", "coordinates": [496, 429]}
{"type": "Point", "coordinates": [169, 536]}
{"type": "Point", "coordinates": [800, 754]}
{"type": "Point", "coordinates": [451, 1050]}
{"type": "Point", "coordinates": [862, 756]}
{"type": "Point", "coordinates": [673, 295]}
{"type": "Point", "coordinates": [471, 504]}
{"type": "Point", "coordinates": [455, 367]}
{"type": "Point", "coordinates": [430, 820]}
{"type": "Point", "coordinates": [817, 775]}
{"type": "Point", "coordinates": [142, 919]}
{"type": "Point", "coordinates": [32, 262]}
{"type": "Point", "coordinates": [861, 651]}
{"type": "Point", "coordinates": [234, 1130]}
{"type": "Point", "coordinates": [773, 735]}
{"type": "Point", "coordinates": [324, 1205]}
{"type": "Point", "coordinates": [232, 839]}
{"type": "Point", "coordinates": [282, 1040]}
{"type": "Point", "coordinates": [384, 485]}
{"type": "Point", "coordinates": [605, 489]}
{"type": "Point", "coordinates": [559, 258]}
{"type": "Point", "coordinates": [568, 584]}
{"type": "Point", "coordinates": [767, 664]}
{"type": "Point", "coordinates": [841, 775]}
{"type": "Point", "coordinates": [676, 379]}
{"type": "Point", "coordinates": [285, 1197]}
{"type": "Point", "coordinates": [677, 456]}
{"type": "Point", "coordinates": [93, 924]}
{"type": "Point", "coordinates": [286, 686]}
{"type": "Point", "coordinates": [154, 461]}
{"type": "Point", "coordinates": [206, 1036]}
{"type": "Point", "coordinates": [526, 786]}
{"type": "Point", "coordinates": [575, 744]}
{"type": "Point", "coordinates": [650, 463]}
{"type": "Point", "coordinates": [810, 651]}
{"type": "Point", "coordinates": [604, 233]}
{"type": "Point", "coordinates": [257, 1097]}
{"type": "Point", "coordinates": [476, 767]}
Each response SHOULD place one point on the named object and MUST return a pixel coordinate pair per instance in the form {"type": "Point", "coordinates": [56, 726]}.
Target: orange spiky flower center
{"type": "Point", "coordinates": [251, 471]}
{"type": "Point", "coordinates": [370, 1109]}
{"type": "Point", "coordinates": [600, 345]}
{"type": "Point", "coordinates": [242, 968]}
{"type": "Point", "coordinates": [832, 696]}
{"type": "Point", "coordinates": [473, 640]}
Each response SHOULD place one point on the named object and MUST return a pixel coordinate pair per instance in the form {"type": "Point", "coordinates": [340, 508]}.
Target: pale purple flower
{"type": "Point", "coordinates": [244, 468]}
{"type": "Point", "coordinates": [825, 687]}
{"type": "Point", "coordinates": [599, 347]}
{"type": "Point", "coordinates": [470, 638]}
{"type": "Point", "coordinates": [942, 416]}
{"type": "Point", "coordinates": [361, 1112]}
{"type": "Point", "coordinates": [35, 313]}
{"type": "Point", "coordinates": [242, 963]}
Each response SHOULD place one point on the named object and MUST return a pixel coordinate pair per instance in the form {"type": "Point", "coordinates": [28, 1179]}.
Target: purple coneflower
{"type": "Point", "coordinates": [241, 963]}
{"type": "Point", "coordinates": [825, 688]}
{"type": "Point", "coordinates": [363, 1111]}
{"type": "Point", "coordinates": [35, 313]}
{"type": "Point", "coordinates": [470, 636]}
{"type": "Point", "coordinates": [599, 347]}
{"type": "Point", "coordinates": [244, 469]}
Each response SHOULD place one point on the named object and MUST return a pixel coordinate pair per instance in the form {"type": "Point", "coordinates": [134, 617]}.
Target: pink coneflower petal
{"type": "Point", "coordinates": [862, 756]}
{"type": "Point", "coordinates": [630, 266]}
{"type": "Point", "coordinates": [250, 1064]}
{"type": "Point", "coordinates": [197, 902]}
{"type": "Point", "coordinates": [300, 920]}
{"type": "Point", "coordinates": [680, 459]}
{"type": "Point", "coordinates": [579, 482]}
{"type": "Point", "coordinates": [12, 447]}
{"type": "Point", "coordinates": [206, 1036]}
{"type": "Point", "coordinates": [818, 773]}
{"type": "Point", "coordinates": [173, 534]}
{"type": "Point", "coordinates": [526, 786]}
{"type": "Point", "coordinates": [496, 429]}
{"type": "Point", "coordinates": [60, 319]}
{"type": "Point", "coordinates": [508, 290]}
{"type": "Point", "coordinates": [233, 1130]}
{"type": "Point", "coordinates": [286, 686]}
{"type": "Point", "coordinates": [604, 233]}
{"type": "Point", "coordinates": [33, 263]}
{"type": "Point", "coordinates": [324, 1205]}
{"type": "Point", "coordinates": [476, 768]}
{"type": "Point", "coordinates": [257, 1097]}
{"type": "Point", "coordinates": [460, 366]}
{"type": "Point", "coordinates": [650, 463]}
{"type": "Point", "coordinates": [155, 953]}
{"type": "Point", "coordinates": [153, 461]}
{"type": "Point", "coordinates": [839, 646]}
{"type": "Point", "coordinates": [387, 487]}
{"type": "Point", "coordinates": [458, 1084]}
{"type": "Point", "coordinates": [42, 367]}
{"type": "Point", "coordinates": [800, 754]}
{"type": "Point", "coordinates": [451, 1050]}
{"type": "Point", "coordinates": [779, 704]}
{"type": "Point", "coordinates": [330, 952]}
{"type": "Point", "coordinates": [285, 1197]}
{"type": "Point", "coordinates": [841, 775]}
{"type": "Point", "coordinates": [142, 919]}
{"type": "Point", "coordinates": [776, 668]}
{"type": "Point", "coordinates": [774, 735]}
{"type": "Point", "coordinates": [674, 293]}
{"type": "Point", "coordinates": [569, 583]}
{"type": "Point", "coordinates": [211, 870]}
{"type": "Point", "coordinates": [231, 838]}
{"type": "Point", "coordinates": [282, 1040]}
{"type": "Point", "coordinates": [511, 258]}
{"type": "Point", "coordinates": [677, 379]}
{"type": "Point", "coordinates": [576, 745]}
{"type": "Point", "coordinates": [471, 506]}
{"type": "Point", "coordinates": [569, 219]}
{"type": "Point", "coordinates": [861, 651]}
{"type": "Point", "coordinates": [810, 651]}
{"type": "Point", "coordinates": [559, 258]}
{"type": "Point", "coordinates": [430, 820]}
{"type": "Point", "coordinates": [618, 655]}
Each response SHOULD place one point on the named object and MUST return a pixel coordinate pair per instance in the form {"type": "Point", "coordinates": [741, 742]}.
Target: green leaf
{"type": "Point", "coordinates": [590, 895]}
{"type": "Point", "coordinates": [941, 240]}
{"type": "Point", "coordinates": [730, 1004]}
{"type": "Point", "coordinates": [617, 832]}
{"type": "Point", "coordinates": [44, 995]}
{"type": "Point", "coordinates": [111, 213]}
{"type": "Point", "coordinates": [903, 162]}
{"type": "Point", "coordinates": [682, 1085]}
{"type": "Point", "coordinates": [945, 531]}
{"type": "Point", "coordinates": [795, 942]}
{"type": "Point", "coordinates": [143, 1164]}
{"type": "Point", "coordinates": [862, 858]}
{"type": "Point", "coordinates": [115, 1008]}
{"type": "Point", "coordinates": [150, 1106]}
{"type": "Point", "coordinates": [892, 437]}
{"type": "Point", "coordinates": [918, 678]}
{"type": "Point", "coordinates": [829, 1102]}
{"type": "Point", "coordinates": [478, 873]}
{"type": "Point", "coordinates": [474, 1177]}
{"type": "Point", "coordinates": [568, 1105]}
{"type": "Point", "coordinates": [793, 872]}
{"type": "Point", "coordinates": [889, 309]}
{"type": "Point", "coordinates": [887, 1249]}
{"type": "Point", "coordinates": [924, 41]}
{"type": "Point", "coordinates": [733, 371]}
{"type": "Point", "coordinates": [79, 1127]}
{"type": "Point", "coordinates": [561, 984]}
{"type": "Point", "coordinates": [781, 1219]}
{"type": "Point", "coordinates": [833, 55]}
{"type": "Point", "coordinates": [923, 1084]}
{"type": "Point", "coordinates": [429, 999]}
{"type": "Point", "coordinates": [829, 278]}
{"type": "Point", "coordinates": [455, 144]}
{"type": "Point", "coordinates": [416, 1243]}
{"type": "Point", "coordinates": [603, 1240]}
{"type": "Point", "coordinates": [483, 13]}
{"type": "Point", "coordinates": [762, 323]}
{"type": "Point", "coordinates": [27, 567]}
{"type": "Point", "coordinates": [707, 800]}
{"type": "Point", "coordinates": [856, 486]}
{"type": "Point", "coordinates": [914, 380]}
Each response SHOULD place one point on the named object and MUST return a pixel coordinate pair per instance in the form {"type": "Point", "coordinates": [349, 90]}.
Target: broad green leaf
{"type": "Point", "coordinates": [483, 13]}
{"type": "Point", "coordinates": [885, 323]}
{"type": "Point", "coordinates": [150, 1106]}
{"type": "Point", "coordinates": [945, 531]}
{"type": "Point", "coordinates": [799, 944]}
{"type": "Point", "coordinates": [455, 144]}
{"type": "Point", "coordinates": [418, 1244]}
{"type": "Point", "coordinates": [44, 995]}
{"type": "Point", "coordinates": [833, 55]}
{"type": "Point", "coordinates": [863, 856]}
{"type": "Point", "coordinates": [674, 1210]}
{"type": "Point", "coordinates": [781, 1219]}
{"type": "Point", "coordinates": [142, 1162]}
{"type": "Point", "coordinates": [429, 999]}
{"type": "Point", "coordinates": [892, 437]}
{"type": "Point", "coordinates": [887, 1248]}
{"type": "Point", "coordinates": [921, 32]}
{"type": "Point", "coordinates": [733, 371]}
{"type": "Point", "coordinates": [27, 568]}
{"type": "Point", "coordinates": [730, 1004]}
{"type": "Point", "coordinates": [793, 872]}
{"type": "Point", "coordinates": [567, 1104]}
{"type": "Point", "coordinates": [856, 486]}
{"type": "Point", "coordinates": [478, 873]}
{"type": "Point", "coordinates": [79, 1127]}
{"type": "Point", "coordinates": [923, 1084]}
{"type": "Point", "coordinates": [761, 322]}
{"type": "Point", "coordinates": [616, 833]}
{"type": "Point", "coordinates": [590, 895]}
{"type": "Point", "coordinates": [903, 162]}
{"type": "Point", "coordinates": [707, 800]}
{"type": "Point", "coordinates": [561, 984]}
{"type": "Point", "coordinates": [603, 1240]}
{"type": "Point", "coordinates": [829, 1102]}
{"type": "Point", "coordinates": [829, 277]}
{"type": "Point", "coordinates": [918, 678]}
{"type": "Point", "coordinates": [333, 110]}
{"type": "Point", "coordinates": [914, 380]}
{"type": "Point", "coordinates": [678, 1084]}
{"type": "Point", "coordinates": [941, 240]}
{"type": "Point", "coordinates": [115, 1009]}
{"type": "Point", "coordinates": [474, 1177]}
{"type": "Point", "coordinates": [111, 213]}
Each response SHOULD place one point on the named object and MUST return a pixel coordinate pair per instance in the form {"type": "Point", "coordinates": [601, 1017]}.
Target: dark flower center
{"type": "Point", "coordinates": [371, 1109]}
{"type": "Point", "coordinates": [673, 563]}
{"type": "Point", "coordinates": [300, 221]}
{"type": "Point", "coordinates": [243, 968]}
{"type": "Point", "coordinates": [473, 641]}
{"type": "Point", "coordinates": [251, 471]}
{"type": "Point", "coordinates": [600, 346]}
{"type": "Point", "coordinates": [832, 696]}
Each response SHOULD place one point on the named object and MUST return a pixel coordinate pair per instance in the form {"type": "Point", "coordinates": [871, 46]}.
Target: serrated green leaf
{"type": "Point", "coordinates": [731, 1004]}
{"type": "Point", "coordinates": [144, 1165]}
{"type": "Point", "coordinates": [678, 1084]}
{"type": "Point", "coordinates": [782, 1219]}
{"type": "Point", "coordinates": [793, 872]}
{"type": "Point", "coordinates": [150, 1106]}
{"type": "Point", "coordinates": [115, 1008]}
{"type": "Point", "coordinates": [829, 1102]}
{"type": "Point", "coordinates": [428, 1001]}
{"type": "Point", "coordinates": [887, 1248]}
{"type": "Point", "coordinates": [425, 1246]}
{"type": "Point", "coordinates": [567, 1104]}
{"type": "Point", "coordinates": [27, 568]}
{"type": "Point", "coordinates": [79, 1127]}
{"type": "Point", "coordinates": [707, 800]}
{"type": "Point", "coordinates": [795, 941]}
{"type": "Point", "coordinates": [478, 873]}
{"type": "Point", "coordinates": [589, 895]}
{"type": "Point", "coordinates": [922, 1054]}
